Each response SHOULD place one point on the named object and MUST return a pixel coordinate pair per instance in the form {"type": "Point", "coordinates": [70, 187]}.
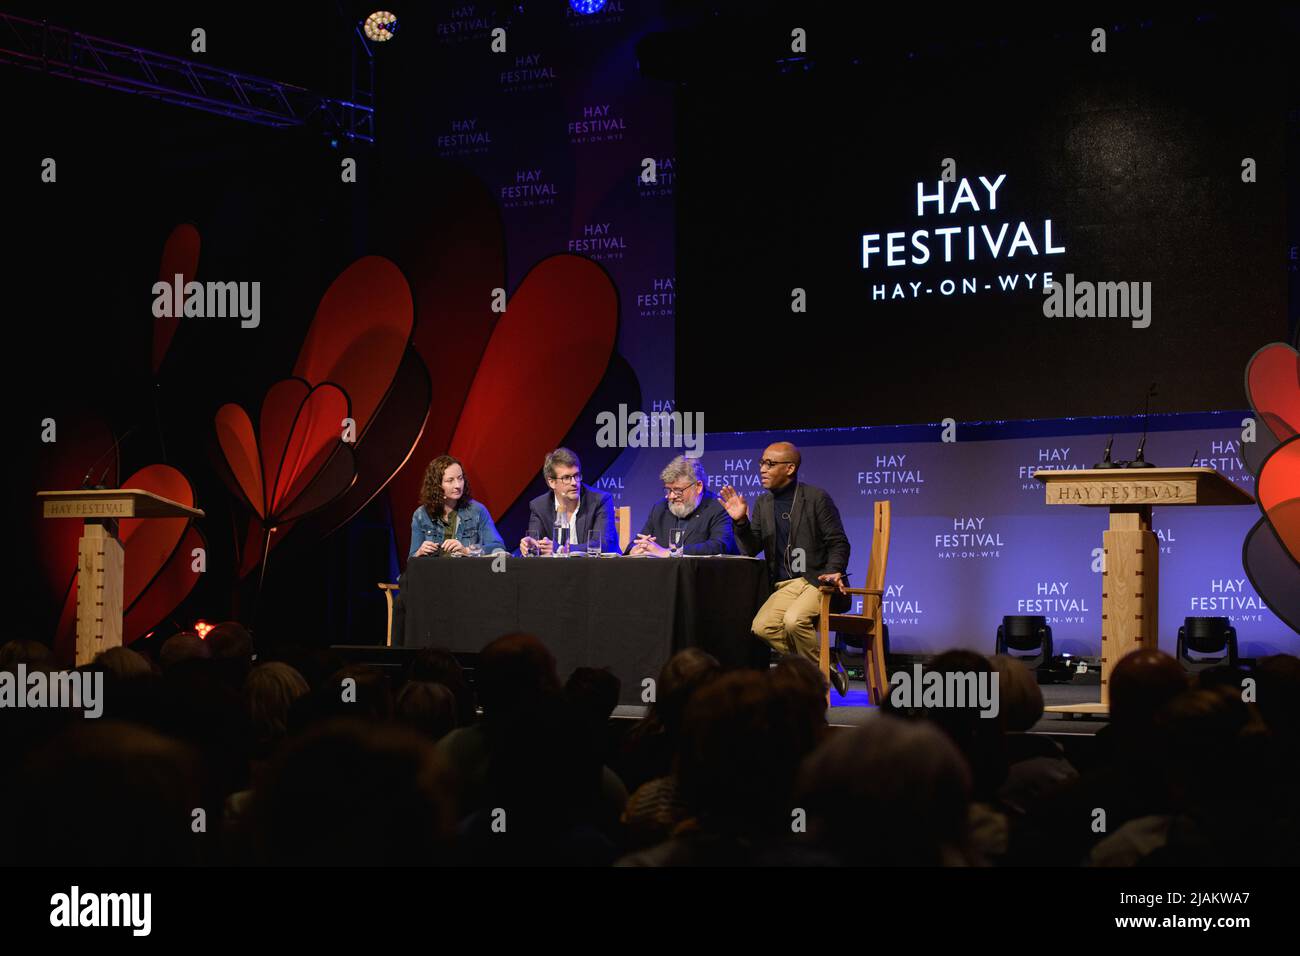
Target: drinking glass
{"type": "Point", "coordinates": [675, 537]}
{"type": "Point", "coordinates": [593, 543]}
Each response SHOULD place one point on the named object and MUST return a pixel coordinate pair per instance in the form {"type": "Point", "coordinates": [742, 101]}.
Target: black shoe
{"type": "Point", "coordinates": [839, 679]}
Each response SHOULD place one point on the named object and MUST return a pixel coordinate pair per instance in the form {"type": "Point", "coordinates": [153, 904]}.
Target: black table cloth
{"type": "Point", "coordinates": [627, 614]}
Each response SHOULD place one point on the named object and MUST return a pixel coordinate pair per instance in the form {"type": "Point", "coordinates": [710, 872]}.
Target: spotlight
{"type": "Point", "coordinates": [379, 26]}
{"type": "Point", "coordinates": [585, 7]}
{"type": "Point", "coordinates": [201, 628]}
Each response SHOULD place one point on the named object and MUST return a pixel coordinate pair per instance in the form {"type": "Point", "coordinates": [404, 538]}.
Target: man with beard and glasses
{"type": "Point", "coordinates": [690, 506]}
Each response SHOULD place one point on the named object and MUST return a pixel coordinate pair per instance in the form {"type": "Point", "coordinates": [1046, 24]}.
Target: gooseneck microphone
{"type": "Point", "coordinates": [1105, 459]}
{"type": "Point", "coordinates": [85, 482]}
{"type": "Point", "coordinates": [1140, 461]}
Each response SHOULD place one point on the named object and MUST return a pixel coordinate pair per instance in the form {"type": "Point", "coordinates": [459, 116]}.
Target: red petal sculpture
{"type": "Point", "coordinates": [560, 325]}
{"type": "Point", "coordinates": [296, 463]}
{"type": "Point", "coordinates": [1279, 494]}
{"type": "Point", "coordinates": [180, 257]}
{"type": "Point", "coordinates": [1273, 387]}
{"type": "Point", "coordinates": [359, 335]}
{"type": "Point", "coordinates": [1271, 552]}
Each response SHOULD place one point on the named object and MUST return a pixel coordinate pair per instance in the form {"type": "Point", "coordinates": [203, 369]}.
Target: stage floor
{"type": "Point", "coordinates": [854, 709]}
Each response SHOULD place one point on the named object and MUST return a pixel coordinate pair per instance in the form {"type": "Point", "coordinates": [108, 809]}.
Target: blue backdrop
{"type": "Point", "coordinates": [973, 539]}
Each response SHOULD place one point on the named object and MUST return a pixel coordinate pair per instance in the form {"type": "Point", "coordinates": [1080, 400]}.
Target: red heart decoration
{"type": "Point", "coordinates": [1273, 389]}
{"type": "Point", "coordinates": [1279, 494]}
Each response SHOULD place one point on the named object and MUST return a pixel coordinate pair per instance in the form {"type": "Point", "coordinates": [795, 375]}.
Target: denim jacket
{"type": "Point", "coordinates": [474, 526]}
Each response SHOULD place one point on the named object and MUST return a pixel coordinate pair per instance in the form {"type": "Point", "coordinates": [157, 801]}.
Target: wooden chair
{"type": "Point", "coordinates": [623, 516]}
{"type": "Point", "coordinates": [871, 621]}
{"type": "Point", "coordinates": [388, 590]}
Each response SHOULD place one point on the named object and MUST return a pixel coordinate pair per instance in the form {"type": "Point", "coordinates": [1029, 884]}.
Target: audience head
{"type": "Point", "coordinates": [230, 640]}
{"type": "Point", "coordinates": [271, 689]}
{"type": "Point", "coordinates": [184, 646]}
{"type": "Point", "coordinates": [593, 691]}
{"type": "Point", "coordinates": [428, 708]}
{"type": "Point", "coordinates": [26, 652]}
{"type": "Point", "coordinates": [802, 681]}
{"type": "Point", "coordinates": [891, 792]}
{"type": "Point", "coordinates": [438, 665]}
{"type": "Point", "coordinates": [977, 734]}
{"type": "Point", "coordinates": [742, 742]}
{"type": "Point", "coordinates": [357, 690]}
{"type": "Point", "coordinates": [685, 673]}
{"type": "Point", "coordinates": [513, 673]}
{"type": "Point", "coordinates": [104, 793]}
{"type": "Point", "coordinates": [1141, 683]}
{"type": "Point", "coordinates": [353, 793]}
{"type": "Point", "coordinates": [122, 663]}
{"type": "Point", "coordinates": [1021, 705]}
{"type": "Point", "coordinates": [1278, 695]}
{"type": "Point", "coordinates": [1199, 736]}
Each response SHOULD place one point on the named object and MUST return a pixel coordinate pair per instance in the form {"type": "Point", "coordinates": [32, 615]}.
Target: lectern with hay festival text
{"type": "Point", "coordinates": [1130, 581]}
{"type": "Point", "coordinates": [100, 561]}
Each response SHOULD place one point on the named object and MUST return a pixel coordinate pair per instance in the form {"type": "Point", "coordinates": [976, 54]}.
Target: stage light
{"type": "Point", "coordinates": [379, 26]}
{"type": "Point", "coordinates": [201, 628]}
{"type": "Point", "coordinates": [585, 7]}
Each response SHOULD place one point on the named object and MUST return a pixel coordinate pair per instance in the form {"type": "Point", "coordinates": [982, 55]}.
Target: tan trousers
{"type": "Point", "coordinates": [788, 619]}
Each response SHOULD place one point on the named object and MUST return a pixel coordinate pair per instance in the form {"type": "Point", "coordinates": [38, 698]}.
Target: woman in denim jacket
{"type": "Point", "coordinates": [445, 498]}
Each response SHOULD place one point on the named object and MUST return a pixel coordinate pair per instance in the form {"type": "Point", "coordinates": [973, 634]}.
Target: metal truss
{"type": "Point", "coordinates": [58, 51]}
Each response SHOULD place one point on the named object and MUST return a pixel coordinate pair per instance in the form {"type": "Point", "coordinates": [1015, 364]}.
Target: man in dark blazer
{"type": "Point", "coordinates": [798, 529]}
{"type": "Point", "coordinates": [688, 505]}
{"type": "Point", "coordinates": [568, 502]}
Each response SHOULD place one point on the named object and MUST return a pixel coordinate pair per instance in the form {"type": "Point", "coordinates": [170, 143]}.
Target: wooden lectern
{"type": "Point", "coordinates": [1130, 572]}
{"type": "Point", "coordinates": [100, 557]}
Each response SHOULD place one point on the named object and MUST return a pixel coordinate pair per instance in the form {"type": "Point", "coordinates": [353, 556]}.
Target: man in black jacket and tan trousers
{"type": "Point", "coordinates": [798, 529]}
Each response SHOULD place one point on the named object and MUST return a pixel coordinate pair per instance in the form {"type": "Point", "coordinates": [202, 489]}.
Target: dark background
{"type": "Point", "coordinates": [1135, 154]}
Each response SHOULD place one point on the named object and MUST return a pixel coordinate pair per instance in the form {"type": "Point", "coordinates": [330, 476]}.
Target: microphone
{"type": "Point", "coordinates": [1105, 459]}
{"type": "Point", "coordinates": [1140, 461]}
{"type": "Point", "coordinates": [1194, 454]}
{"type": "Point", "coordinates": [85, 482]}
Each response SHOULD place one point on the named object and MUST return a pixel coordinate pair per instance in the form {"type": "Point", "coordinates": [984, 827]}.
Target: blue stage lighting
{"type": "Point", "coordinates": [585, 7]}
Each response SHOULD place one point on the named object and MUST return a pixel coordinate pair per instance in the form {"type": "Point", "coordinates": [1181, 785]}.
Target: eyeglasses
{"type": "Point", "coordinates": [671, 492]}
{"type": "Point", "coordinates": [771, 463]}
{"type": "Point", "coordinates": [568, 479]}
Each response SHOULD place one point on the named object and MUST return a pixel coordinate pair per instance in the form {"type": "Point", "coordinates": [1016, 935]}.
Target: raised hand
{"type": "Point", "coordinates": [734, 503]}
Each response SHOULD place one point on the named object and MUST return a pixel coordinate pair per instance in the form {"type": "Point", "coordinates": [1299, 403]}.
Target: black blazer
{"type": "Point", "coordinates": [708, 527]}
{"type": "Point", "coordinates": [595, 511]}
{"type": "Point", "coordinates": [815, 526]}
